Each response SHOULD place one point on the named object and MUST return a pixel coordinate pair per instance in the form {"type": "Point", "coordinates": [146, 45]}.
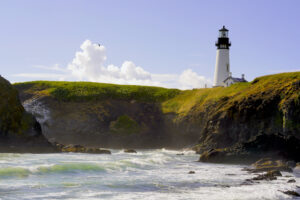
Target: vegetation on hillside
{"type": "Point", "coordinates": [86, 91]}
{"type": "Point", "coordinates": [263, 87]}
{"type": "Point", "coordinates": [173, 100]}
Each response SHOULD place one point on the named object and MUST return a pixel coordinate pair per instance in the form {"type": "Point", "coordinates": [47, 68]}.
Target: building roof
{"type": "Point", "coordinates": [236, 79]}
{"type": "Point", "coordinates": [223, 29]}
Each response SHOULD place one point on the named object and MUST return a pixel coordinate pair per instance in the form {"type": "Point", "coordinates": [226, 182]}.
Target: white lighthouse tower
{"type": "Point", "coordinates": [222, 68]}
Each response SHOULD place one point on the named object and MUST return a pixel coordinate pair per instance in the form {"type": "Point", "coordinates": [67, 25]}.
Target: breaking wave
{"type": "Point", "coordinates": [14, 172]}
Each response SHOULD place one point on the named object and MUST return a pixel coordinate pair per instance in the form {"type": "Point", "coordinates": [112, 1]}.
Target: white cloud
{"type": "Point", "coordinates": [40, 75]}
{"type": "Point", "coordinates": [189, 79]}
{"type": "Point", "coordinates": [55, 67]}
{"type": "Point", "coordinates": [89, 65]}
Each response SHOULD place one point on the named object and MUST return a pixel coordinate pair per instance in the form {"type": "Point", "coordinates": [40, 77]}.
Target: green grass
{"type": "Point", "coordinates": [263, 87]}
{"type": "Point", "coordinates": [87, 91]}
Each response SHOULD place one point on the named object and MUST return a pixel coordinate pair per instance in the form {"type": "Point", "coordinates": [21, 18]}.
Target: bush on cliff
{"type": "Point", "coordinates": [124, 125]}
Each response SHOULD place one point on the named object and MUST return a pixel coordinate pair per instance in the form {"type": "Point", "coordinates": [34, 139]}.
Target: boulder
{"type": "Point", "coordinates": [82, 149]}
{"type": "Point", "coordinates": [213, 155]}
{"type": "Point", "coordinates": [292, 193]}
{"type": "Point", "coordinates": [269, 176]}
{"type": "Point", "coordinates": [103, 151]}
{"type": "Point", "coordinates": [291, 181]}
{"type": "Point", "coordinates": [191, 172]}
{"type": "Point", "coordinates": [267, 164]}
{"type": "Point", "coordinates": [97, 151]}
{"type": "Point", "coordinates": [130, 151]}
{"type": "Point", "coordinates": [73, 148]}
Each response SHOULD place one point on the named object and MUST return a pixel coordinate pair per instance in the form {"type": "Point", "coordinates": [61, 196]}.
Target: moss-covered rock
{"type": "Point", "coordinates": [13, 119]}
{"type": "Point", "coordinates": [19, 130]}
{"type": "Point", "coordinates": [82, 149]}
{"type": "Point", "coordinates": [269, 164]}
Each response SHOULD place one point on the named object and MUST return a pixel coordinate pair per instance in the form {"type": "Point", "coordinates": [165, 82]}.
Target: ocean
{"type": "Point", "coordinates": [149, 174]}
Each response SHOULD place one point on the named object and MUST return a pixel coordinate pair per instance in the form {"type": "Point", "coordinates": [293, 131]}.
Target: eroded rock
{"type": "Point", "coordinates": [267, 164]}
{"type": "Point", "coordinates": [292, 193]}
{"type": "Point", "coordinates": [269, 176]}
{"type": "Point", "coordinates": [130, 151]}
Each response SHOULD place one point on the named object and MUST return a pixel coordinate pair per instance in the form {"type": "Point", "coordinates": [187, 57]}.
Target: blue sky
{"type": "Point", "coordinates": [164, 37]}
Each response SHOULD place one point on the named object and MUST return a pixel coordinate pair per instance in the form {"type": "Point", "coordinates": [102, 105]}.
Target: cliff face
{"type": "Point", "coordinates": [237, 114]}
{"type": "Point", "coordinates": [19, 131]}
{"type": "Point", "coordinates": [109, 115]}
{"type": "Point", "coordinates": [104, 115]}
{"type": "Point", "coordinates": [268, 105]}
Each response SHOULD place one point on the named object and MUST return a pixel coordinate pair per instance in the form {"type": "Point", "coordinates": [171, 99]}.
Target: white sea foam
{"type": "Point", "coordinates": [149, 174]}
{"type": "Point", "coordinates": [36, 107]}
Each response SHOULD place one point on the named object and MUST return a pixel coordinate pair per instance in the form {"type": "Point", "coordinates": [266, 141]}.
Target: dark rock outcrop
{"type": "Point", "coordinates": [291, 193]}
{"type": "Point", "coordinates": [130, 151]}
{"type": "Point", "coordinates": [264, 122]}
{"type": "Point", "coordinates": [82, 149]}
{"type": "Point", "coordinates": [268, 164]}
{"type": "Point", "coordinates": [19, 130]}
{"type": "Point", "coordinates": [275, 146]}
{"type": "Point", "coordinates": [269, 176]}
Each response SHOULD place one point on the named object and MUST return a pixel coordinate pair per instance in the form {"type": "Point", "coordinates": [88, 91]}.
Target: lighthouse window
{"type": "Point", "coordinates": [227, 68]}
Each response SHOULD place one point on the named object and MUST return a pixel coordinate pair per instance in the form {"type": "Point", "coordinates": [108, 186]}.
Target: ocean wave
{"type": "Point", "coordinates": [14, 171]}
{"type": "Point", "coordinates": [70, 167]}
{"type": "Point", "coordinates": [22, 172]}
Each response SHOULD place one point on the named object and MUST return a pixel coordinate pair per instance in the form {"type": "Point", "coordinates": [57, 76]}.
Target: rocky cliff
{"type": "Point", "coordinates": [104, 115]}
{"type": "Point", "coordinates": [109, 115]}
{"type": "Point", "coordinates": [19, 131]}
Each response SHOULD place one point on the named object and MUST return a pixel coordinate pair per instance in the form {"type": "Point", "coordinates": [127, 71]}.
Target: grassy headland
{"type": "Point", "coordinates": [173, 100]}
{"type": "Point", "coordinates": [220, 117]}
{"type": "Point", "coordinates": [89, 91]}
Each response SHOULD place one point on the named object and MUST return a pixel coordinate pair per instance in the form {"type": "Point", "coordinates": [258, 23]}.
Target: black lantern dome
{"type": "Point", "coordinates": [223, 40]}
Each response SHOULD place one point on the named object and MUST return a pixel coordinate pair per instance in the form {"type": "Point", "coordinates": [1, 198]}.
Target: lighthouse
{"type": "Point", "coordinates": [222, 67]}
